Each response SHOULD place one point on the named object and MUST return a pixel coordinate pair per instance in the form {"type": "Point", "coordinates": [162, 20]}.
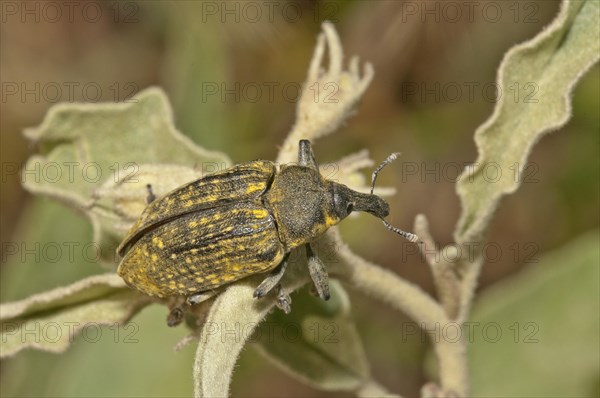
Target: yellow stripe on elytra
{"type": "Point", "coordinates": [260, 213]}
{"type": "Point", "coordinates": [253, 187]}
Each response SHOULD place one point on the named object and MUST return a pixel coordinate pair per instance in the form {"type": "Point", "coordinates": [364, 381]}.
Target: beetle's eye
{"type": "Point", "coordinates": [341, 204]}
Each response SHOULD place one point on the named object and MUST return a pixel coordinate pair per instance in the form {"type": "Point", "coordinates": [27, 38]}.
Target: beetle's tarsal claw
{"type": "Point", "coordinates": [407, 235]}
{"type": "Point", "coordinates": [284, 301]}
{"type": "Point", "coordinates": [260, 292]}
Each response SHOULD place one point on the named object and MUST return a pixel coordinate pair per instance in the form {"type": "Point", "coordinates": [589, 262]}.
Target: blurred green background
{"type": "Point", "coordinates": [544, 280]}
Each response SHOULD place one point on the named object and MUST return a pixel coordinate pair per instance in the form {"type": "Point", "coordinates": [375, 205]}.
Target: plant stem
{"type": "Point", "coordinates": [389, 288]}
{"type": "Point", "coordinates": [407, 297]}
{"type": "Point", "coordinates": [452, 365]}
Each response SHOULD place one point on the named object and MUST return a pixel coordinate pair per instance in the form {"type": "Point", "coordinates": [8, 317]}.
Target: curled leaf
{"type": "Point", "coordinates": [84, 148]}
{"type": "Point", "coordinates": [550, 64]}
{"type": "Point", "coordinates": [329, 96]}
{"type": "Point", "coordinates": [123, 200]}
{"type": "Point", "coordinates": [49, 321]}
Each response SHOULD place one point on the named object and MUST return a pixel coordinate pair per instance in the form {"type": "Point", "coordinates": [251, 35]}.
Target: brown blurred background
{"type": "Point", "coordinates": [188, 48]}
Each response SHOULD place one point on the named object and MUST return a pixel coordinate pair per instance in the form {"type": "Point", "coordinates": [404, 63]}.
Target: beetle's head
{"type": "Point", "coordinates": [346, 200]}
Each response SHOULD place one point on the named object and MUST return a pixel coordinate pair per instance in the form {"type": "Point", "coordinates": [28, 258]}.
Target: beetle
{"type": "Point", "coordinates": [236, 223]}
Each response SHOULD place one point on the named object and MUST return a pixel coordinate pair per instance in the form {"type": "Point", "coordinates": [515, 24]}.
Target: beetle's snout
{"type": "Point", "coordinates": [375, 205]}
{"type": "Point", "coordinates": [369, 203]}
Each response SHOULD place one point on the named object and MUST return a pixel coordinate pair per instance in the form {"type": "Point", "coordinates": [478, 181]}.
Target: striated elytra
{"type": "Point", "coordinates": [235, 223]}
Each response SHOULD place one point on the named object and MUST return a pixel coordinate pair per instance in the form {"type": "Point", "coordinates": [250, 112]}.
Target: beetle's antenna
{"type": "Point", "coordinates": [407, 235]}
{"type": "Point", "coordinates": [410, 237]}
{"type": "Point", "coordinates": [389, 160]}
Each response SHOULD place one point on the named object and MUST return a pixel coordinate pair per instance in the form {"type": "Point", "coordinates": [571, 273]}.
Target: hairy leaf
{"type": "Point", "coordinates": [333, 96]}
{"type": "Point", "coordinates": [230, 323]}
{"type": "Point", "coordinates": [84, 147]}
{"type": "Point", "coordinates": [48, 321]}
{"type": "Point", "coordinates": [317, 343]}
{"type": "Point", "coordinates": [545, 68]}
{"type": "Point", "coordinates": [544, 319]}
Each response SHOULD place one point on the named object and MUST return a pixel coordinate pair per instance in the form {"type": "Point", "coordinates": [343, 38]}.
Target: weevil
{"type": "Point", "coordinates": [236, 223]}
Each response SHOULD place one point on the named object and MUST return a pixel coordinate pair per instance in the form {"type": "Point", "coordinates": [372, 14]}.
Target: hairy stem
{"type": "Point", "coordinates": [452, 365]}
{"type": "Point", "coordinates": [444, 273]}
{"type": "Point", "coordinates": [469, 281]}
{"type": "Point", "coordinates": [389, 288]}
{"type": "Point", "coordinates": [407, 297]}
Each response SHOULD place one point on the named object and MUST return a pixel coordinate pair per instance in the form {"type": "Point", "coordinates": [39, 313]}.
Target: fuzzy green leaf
{"type": "Point", "coordinates": [317, 343]}
{"type": "Point", "coordinates": [547, 67]}
{"type": "Point", "coordinates": [48, 321]}
{"type": "Point", "coordinates": [544, 320]}
{"type": "Point", "coordinates": [85, 149]}
{"type": "Point", "coordinates": [230, 323]}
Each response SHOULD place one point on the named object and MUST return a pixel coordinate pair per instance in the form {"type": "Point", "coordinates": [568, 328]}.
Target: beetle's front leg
{"type": "Point", "coordinates": [305, 155]}
{"type": "Point", "coordinates": [150, 197]}
{"type": "Point", "coordinates": [318, 273]}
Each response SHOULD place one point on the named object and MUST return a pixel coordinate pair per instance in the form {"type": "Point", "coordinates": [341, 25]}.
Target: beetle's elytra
{"type": "Point", "coordinates": [236, 223]}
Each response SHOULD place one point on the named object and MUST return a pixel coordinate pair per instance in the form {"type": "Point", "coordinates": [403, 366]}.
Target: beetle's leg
{"type": "Point", "coordinates": [272, 280]}
{"type": "Point", "coordinates": [313, 291]}
{"type": "Point", "coordinates": [151, 197]}
{"type": "Point", "coordinates": [306, 156]}
{"type": "Point", "coordinates": [177, 313]}
{"type": "Point", "coordinates": [284, 301]}
{"type": "Point", "coordinates": [200, 297]}
{"type": "Point", "coordinates": [318, 273]}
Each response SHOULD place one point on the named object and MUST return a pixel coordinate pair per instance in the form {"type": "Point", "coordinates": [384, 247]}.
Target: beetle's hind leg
{"type": "Point", "coordinates": [178, 311]}
{"type": "Point", "coordinates": [272, 280]}
{"type": "Point", "coordinates": [306, 156]}
{"type": "Point", "coordinates": [318, 273]}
